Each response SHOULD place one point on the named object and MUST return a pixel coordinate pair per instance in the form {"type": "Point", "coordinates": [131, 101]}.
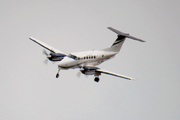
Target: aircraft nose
{"type": "Point", "coordinates": [62, 64]}
{"type": "Point", "coordinates": [66, 62]}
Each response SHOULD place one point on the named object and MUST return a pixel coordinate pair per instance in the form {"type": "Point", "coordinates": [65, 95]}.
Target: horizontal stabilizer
{"type": "Point", "coordinates": [125, 34]}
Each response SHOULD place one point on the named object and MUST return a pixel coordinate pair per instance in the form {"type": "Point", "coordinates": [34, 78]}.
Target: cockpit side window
{"type": "Point", "coordinates": [72, 56]}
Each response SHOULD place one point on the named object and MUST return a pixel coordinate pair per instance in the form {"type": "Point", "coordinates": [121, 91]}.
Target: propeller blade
{"type": "Point", "coordinates": [44, 52]}
{"type": "Point", "coordinates": [46, 61]}
{"type": "Point", "coordinates": [78, 74]}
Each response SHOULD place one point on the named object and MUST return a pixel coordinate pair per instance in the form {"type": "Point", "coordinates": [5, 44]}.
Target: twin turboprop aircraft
{"type": "Point", "coordinates": [86, 61]}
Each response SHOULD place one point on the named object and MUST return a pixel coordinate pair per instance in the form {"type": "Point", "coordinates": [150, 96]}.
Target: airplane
{"type": "Point", "coordinates": [87, 61]}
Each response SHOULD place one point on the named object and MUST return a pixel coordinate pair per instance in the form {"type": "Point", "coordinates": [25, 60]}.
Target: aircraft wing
{"type": "Point", "coordinates": [114, 74]}
{"type": "Point", "coordinates": [46, 46]}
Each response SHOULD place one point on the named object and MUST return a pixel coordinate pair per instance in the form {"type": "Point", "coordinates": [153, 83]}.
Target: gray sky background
{"type": "Point", "coordinates": [30, 91]}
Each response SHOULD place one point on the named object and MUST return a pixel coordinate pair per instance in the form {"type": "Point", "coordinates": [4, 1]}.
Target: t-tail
{"type": "Point", "coordinates": [116, 46]}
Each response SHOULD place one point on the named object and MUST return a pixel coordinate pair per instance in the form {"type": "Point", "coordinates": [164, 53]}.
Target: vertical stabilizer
{"type": "Point", "coordinates": [116, 46]}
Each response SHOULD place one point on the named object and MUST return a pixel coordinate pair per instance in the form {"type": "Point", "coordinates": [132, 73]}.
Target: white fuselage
{"type": "Point", "coordinates": [87, 58]}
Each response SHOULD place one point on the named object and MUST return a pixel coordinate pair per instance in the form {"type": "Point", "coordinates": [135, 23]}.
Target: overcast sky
{"type": "Point", "coordinates": [30, 91]}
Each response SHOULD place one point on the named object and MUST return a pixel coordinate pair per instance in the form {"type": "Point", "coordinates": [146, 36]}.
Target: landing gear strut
{"type": "Point", "coordinates": [96, 79]}
{"type": "Point", "coordinates": [57, 75]}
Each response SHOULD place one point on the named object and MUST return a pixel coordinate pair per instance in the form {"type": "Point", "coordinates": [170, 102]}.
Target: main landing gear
{"type": "Point", "coordinates": [96, 79]}
{"type": "Point", "coordinates": [96, 75]}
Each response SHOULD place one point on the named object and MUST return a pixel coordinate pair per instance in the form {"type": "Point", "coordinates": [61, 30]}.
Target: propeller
{"type": "Point", "coordinates": [45, 61]}
{"type": "Point", "coordinates": [48, 55]}
{"type": "Point", "coordinates": [78, 74]}
{"type": "Point", "coordinates": [45, 53]}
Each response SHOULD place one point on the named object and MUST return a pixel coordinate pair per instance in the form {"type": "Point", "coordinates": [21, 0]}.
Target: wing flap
{"type": "Point", "coordinates": [46, 46]}
{"type": "Point", "coordinates": [115, 74]}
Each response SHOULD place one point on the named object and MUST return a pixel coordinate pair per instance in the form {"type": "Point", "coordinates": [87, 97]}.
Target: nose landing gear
{"type": "Point", "coordinates": [57, 75]}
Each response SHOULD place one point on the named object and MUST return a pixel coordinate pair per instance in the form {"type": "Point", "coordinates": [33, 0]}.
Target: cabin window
{"type": "Point", "coordinates": [89, 57]}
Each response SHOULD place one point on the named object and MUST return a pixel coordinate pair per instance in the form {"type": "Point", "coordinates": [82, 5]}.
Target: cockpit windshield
{"type": "Point", "coordinates": [72, 56]}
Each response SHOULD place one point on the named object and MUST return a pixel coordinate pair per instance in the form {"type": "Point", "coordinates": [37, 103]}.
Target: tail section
{"type": "Point", "coordinates": [125, 34]}
{"type": "Point", "coordinates": [116, 46]}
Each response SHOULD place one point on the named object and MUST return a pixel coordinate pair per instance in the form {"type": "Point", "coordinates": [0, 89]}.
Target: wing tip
{"type": "Point", "coordinates": [31, 38]}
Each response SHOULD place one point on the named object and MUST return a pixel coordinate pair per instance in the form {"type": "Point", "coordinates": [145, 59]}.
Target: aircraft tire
{"type": "Point", "coordinates": [96, 79]}
{"type": "Point", "coordinates": [57, 75]}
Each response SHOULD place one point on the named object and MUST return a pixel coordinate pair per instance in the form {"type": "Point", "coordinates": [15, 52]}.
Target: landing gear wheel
{"type": "Point", "coordinates": [57, 75]}
{"type": "Point", "coordinates": [96, 79]}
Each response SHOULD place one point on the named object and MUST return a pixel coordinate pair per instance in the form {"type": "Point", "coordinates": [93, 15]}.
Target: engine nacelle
{"type": "Point", "coordinates": [89, 70]}
{"type": "Point", "coordinates": [56, 56]}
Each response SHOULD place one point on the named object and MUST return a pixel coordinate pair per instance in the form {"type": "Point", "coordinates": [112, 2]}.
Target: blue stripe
{"type": "Point", "coordinates": [119, 40]}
